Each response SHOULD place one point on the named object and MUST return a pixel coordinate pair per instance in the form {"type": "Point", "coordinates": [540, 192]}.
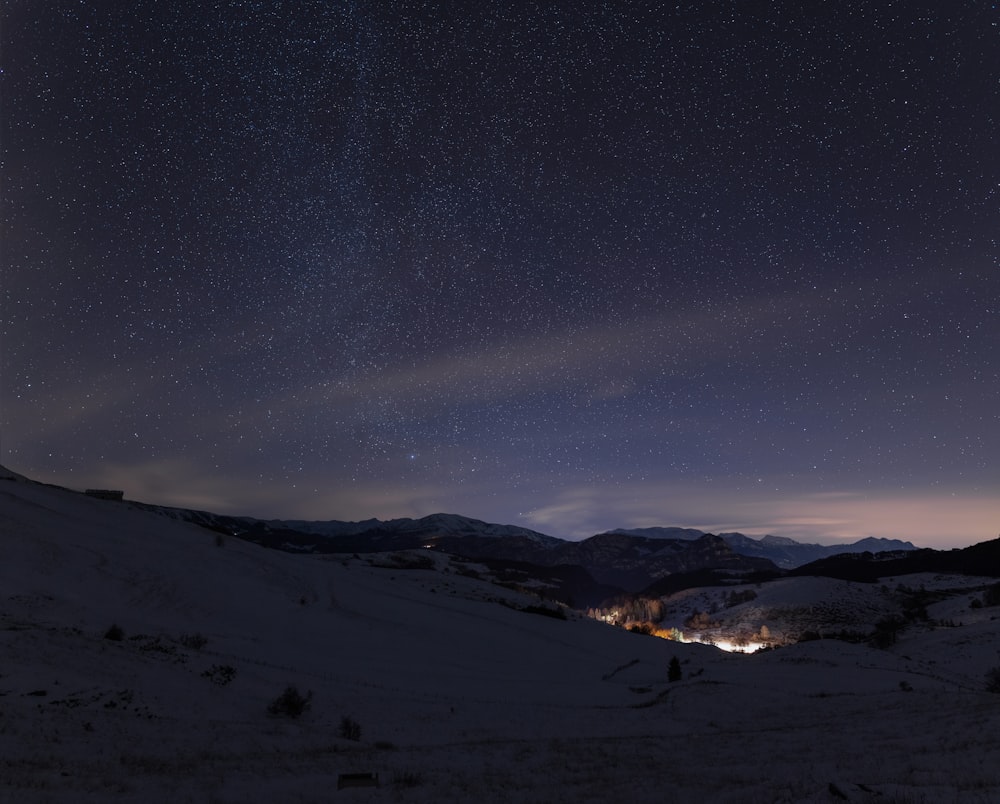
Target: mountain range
{"type": "Point", "coordinates": [614, 562]}
{"type": "Point", "coordinates": [654, 560]}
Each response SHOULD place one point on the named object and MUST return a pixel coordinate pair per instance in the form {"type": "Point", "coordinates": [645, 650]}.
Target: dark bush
{"type": "Point", "coordinates": [407, 779]}
{"type": "Point", "coordinates": [545, 611]}
{"type": "Point", "coordinates": [887, 632]}
{"type": "Point", "coordinates": [991, 597]}
{"type": "Point", "coordinates": [291, 703]}
{"type": "Point", "coordinates": [855, 637]}
{"type": "Point", "coordinates": [735, 598]}
{"type": "Point", "coordinates": [674, 670]}
{"type": "Point", "coordinates": [115, 633]}
{"type": "Point", "coordinates": [220, 674]}
{"type": "Point", "coordinates": [993, 680]}
{"type": "Point", "coordinates": [194, 641]}
{"type": "Point", "coordinates": [350, 729]}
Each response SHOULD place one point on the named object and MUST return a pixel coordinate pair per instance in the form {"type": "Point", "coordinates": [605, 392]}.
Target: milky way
{"type": "Point", "coordinates": [571, 266]}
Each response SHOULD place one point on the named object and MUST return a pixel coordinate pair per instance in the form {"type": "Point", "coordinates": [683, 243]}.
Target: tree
{"type": "Point", "coordinates": [291, 703]}
{"type": "Point", "coordinates": [887, 631]}
{"type": "Point", "coordinates": [993, 680]}
{"type": "Point", "coordinates": [991, 597]}
{"type": "Point", "coordinates": [115, 633]}
{"type": "Point", "coordinates": [350, 729]}
{"type": "Point", "coordinates": [674, 670]}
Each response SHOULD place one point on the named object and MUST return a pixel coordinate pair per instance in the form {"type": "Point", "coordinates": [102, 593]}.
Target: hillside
{"type": "Point", "coordinates": [459, 690]}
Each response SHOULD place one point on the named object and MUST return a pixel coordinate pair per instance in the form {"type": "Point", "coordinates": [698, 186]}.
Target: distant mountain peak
{"type": "Point", "coordinates": [775, 541]}
{"type": "Point", "coordinates": [430, 526]}
{"type": "Point", "coordinates": [782, 550]}
{"type": "Point", "coordinates": [878, 544]}
{"type": "Point", "coordinates": [686, 534]}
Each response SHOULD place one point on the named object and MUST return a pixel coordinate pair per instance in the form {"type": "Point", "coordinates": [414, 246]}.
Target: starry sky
{"type": "Point", "coordinates": [567, 265]}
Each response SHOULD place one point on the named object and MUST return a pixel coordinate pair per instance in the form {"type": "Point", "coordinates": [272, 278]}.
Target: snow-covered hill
{"type": "Point", "coordinates": [456, 689]}
{"type": "Point", "coordinates": [434, 524]}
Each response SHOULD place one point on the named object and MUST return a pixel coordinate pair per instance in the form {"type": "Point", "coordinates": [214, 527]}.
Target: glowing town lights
{"type": "Point", "coordinates": [748, 646]}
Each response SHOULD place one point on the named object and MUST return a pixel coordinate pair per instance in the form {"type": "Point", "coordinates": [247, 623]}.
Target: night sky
{"type": "Point", "coordinates": [567, 265]}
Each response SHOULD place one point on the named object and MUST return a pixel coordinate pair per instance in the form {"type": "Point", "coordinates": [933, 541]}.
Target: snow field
{"type": "Point", "coordinates": [460, 696]}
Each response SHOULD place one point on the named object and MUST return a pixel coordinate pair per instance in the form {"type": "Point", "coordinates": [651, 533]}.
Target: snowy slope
{"type": "Point", "coordinates": [460, 696]}
{"type": "Point", "coordinates": [437, 524]}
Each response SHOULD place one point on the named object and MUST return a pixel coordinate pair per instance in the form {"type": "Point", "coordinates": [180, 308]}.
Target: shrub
{"type": "Point", "coordinates": [991, 597]}
{"type": "Point", "coordinates": [407, 779]}
{"type": "Point", "coordinates": [735, 598]}
{"type": "Point", "coordinates": [220, 674]}
{"type": "Point", "coordinates": [545, 611]}
{"type": "Point", "coordinates": [674, 670]}
{"type": "Point", "coordinates": [291, 703]}
{"type": "Point", "coordinates": [887, 632]}
{"type": "Point", "coordinates": [993, 680]}
{"type": "Point", "coordinates": [115, 633]}
{"type": "Point", "coordinates": [194, 641]}
{"type": "Point", "coordinates": [350, 729]}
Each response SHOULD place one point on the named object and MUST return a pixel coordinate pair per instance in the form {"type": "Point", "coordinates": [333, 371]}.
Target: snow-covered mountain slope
{"type": "Point", "coordinates": [434, 524]}
{"type": "Point", "coordinates": [459, 689]}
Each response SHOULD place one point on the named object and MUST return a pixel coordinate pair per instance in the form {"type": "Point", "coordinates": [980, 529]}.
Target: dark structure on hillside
{"type": "Point", "coordinates": [105, 494]}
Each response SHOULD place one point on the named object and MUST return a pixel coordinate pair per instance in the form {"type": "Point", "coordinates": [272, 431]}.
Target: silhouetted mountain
{"type": "Point", "coordinates": [436, 525]}
{"type": "Point", "coordinates": [614, 559]}
{"type": "Point", "coordinates": [784, 552]}
{"type": "Point", "coordinates": [629, 560]}
{"type": "Point", "coordinates": [978, 559]}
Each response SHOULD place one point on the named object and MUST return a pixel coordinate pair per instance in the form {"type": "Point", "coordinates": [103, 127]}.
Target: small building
{"type": "Point", "coordinates": [105, 494]}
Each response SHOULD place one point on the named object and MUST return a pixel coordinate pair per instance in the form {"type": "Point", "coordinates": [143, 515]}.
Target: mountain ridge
{"type": "Point", "coordinates": [786, 552]}
{"type": "Point", "coordinates": [629, 560]}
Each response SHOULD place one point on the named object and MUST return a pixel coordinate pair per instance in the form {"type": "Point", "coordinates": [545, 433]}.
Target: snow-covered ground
{"type": "Point", "coordinates": [460, 694]}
